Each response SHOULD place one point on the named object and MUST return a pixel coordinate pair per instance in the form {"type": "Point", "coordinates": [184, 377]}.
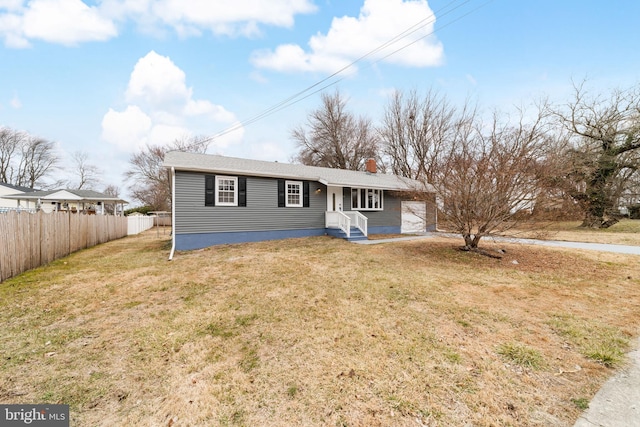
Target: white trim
{"type": "Point", "coordinates": [173, 213]}
{"type": "Point", "coordinates": [300, 194]}
{"type": "Point", "coordinates": [362, 204]}
{"type": "Point", "coordinates": [235, 190]}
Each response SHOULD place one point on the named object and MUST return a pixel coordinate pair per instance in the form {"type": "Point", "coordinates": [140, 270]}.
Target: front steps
{"type": "Point", "coordinates": [356, 234]}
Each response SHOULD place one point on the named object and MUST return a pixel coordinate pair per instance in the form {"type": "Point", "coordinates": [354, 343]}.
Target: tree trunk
{"type": "Point", "coordinates": [471, 241]}
{"type": "Point", "coordinates": [591, 221]}
{"type": "Point", "coordinates": [599, 195]}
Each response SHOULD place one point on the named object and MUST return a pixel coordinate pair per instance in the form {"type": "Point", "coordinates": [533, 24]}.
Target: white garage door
{"type": "Point", "coordinates": [413, 217]}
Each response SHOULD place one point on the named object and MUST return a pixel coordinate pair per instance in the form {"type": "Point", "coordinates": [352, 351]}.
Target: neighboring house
{"type": "Point", "coordinates": [218, 200]}
{"type": "Point", "coordinates": [12, 204]}
{"type": "Point", "coordinates": [86, 201]}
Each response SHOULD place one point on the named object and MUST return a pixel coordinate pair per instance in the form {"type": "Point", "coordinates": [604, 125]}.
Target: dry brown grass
{"type": "Point", "coordinates": [317, 332]}
{"type": "Point", "coordinates": [625, 232]}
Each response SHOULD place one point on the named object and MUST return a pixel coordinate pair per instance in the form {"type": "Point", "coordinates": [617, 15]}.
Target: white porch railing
{"type": "Point", "coordinates": [337, 219]}
{"type": "Point", "coordinates": [18, 209]}
{"type": "Point", "coordinates": [344, 221]}
{"type": "Point", "coordinates": [360, 221]}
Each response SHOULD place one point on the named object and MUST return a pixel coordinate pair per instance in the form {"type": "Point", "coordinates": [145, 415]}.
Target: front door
{"type": "Point", "coordinates": [334, 199]}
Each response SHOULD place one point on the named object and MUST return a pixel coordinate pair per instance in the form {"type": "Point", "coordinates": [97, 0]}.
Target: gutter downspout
{"type": "Point", "coordinates": [173, 212]}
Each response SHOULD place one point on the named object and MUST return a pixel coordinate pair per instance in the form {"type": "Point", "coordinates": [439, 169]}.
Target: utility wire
{"type": "Point", "coordinates": [297, 97]}
{"type": "Point", "coordinates": [292, 99]}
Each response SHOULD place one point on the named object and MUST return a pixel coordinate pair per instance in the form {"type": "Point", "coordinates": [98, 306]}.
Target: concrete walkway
{"type": "Point", "coordinates": [617, 404]}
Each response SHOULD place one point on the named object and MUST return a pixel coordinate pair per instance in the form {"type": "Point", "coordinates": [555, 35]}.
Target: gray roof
{"type": "Point", "coordinates": [17, 187]}
{"type": "Point", "coordinates": [328, 176]}
{"type": "Point", "coordinates": [66, 195]}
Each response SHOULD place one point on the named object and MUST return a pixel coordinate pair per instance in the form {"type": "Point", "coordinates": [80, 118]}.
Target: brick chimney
{"type": "Point", "coordinates": [370, 166]}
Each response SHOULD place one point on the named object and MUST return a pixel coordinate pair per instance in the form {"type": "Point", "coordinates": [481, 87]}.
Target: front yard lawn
{"type": "Point", "coordinates": [317, 332]}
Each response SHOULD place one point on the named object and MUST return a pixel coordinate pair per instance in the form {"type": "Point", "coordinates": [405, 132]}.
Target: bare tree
{"type": "Point", "coordinates": [113, 191]}
{"type": "Point", "coordinates": [417, 131]}
{"type": "Point", "coordinates": [87, 174]}
{"type": "Point", "coordinates": [11, 142]}
{"type": "Point", "coordinates": [605, 154]}
{"type": "Point", "coordinates": [335, 138]}
{"type": "Point", "coordinates": [37, 160]}
{"type": "Point", "coordinates": [491, 175]}
{"type": "Point", "coordinates": [151, 182]}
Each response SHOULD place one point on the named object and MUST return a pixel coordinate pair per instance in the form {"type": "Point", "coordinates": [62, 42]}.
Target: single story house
{"type": "Point", "coordinates": [219, 200]}
{"type": "Point", "coordinates": [85, 201]}
{"type": "Point", "coordinates": [13, 204]}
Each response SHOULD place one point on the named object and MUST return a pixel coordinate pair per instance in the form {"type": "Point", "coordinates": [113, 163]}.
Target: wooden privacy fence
{"type": "Point", "coordinates": [29, 240]}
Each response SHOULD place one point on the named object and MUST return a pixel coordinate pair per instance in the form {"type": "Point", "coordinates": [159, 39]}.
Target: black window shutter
{"type": "Point", "coordinates": [242, 191]}
{"type": "Point", "coordinates": [305, 194]}
{"type": "Point", "coordinates": [281, 195]}
{"type": "Point", "coordinates": [209, 190]}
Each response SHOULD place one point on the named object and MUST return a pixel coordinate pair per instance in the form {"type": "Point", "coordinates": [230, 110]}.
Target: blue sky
{"type": "Point", "coordinates": [108, 76]}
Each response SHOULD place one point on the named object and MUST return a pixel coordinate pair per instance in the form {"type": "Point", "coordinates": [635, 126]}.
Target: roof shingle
{"type": "Point", "coordinates": [328, 176]}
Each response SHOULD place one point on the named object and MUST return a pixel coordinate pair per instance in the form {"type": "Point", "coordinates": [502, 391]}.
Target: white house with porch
{"type": "Point", "coordinates": [75, 201]}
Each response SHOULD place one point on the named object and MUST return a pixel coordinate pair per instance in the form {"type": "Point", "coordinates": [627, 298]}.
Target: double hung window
{"type": "Point", "coordinates": [294, 194]}
{"type": "Point", "coordinates": [223, 190]}
{"type": "Point", "coordinates": [226, 191]}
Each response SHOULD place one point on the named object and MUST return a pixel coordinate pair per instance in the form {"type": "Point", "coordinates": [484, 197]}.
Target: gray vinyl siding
{"type": "Point", "coordinates": [390, 216]}
{"type": "Point", "coordinates": [261, 213]}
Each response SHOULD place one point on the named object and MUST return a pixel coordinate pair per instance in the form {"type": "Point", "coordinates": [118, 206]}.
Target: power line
{"type": "Point", "coordinates": [298, 96]}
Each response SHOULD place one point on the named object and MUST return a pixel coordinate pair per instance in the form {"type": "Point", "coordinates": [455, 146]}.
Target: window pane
{"type": "Point", "coordinates": [294, 194]}
{"type": "Point", "coordinates": [366, 199]}
{"type": "Point", "coordinates": [226, 190]}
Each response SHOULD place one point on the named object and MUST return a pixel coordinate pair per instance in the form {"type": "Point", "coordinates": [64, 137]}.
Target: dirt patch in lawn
{"type": "Point", "coordinates": [318, 332]}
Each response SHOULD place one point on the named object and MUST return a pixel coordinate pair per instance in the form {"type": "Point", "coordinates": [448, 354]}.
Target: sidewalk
{"type": "Point", "coordinates": [617, 404]}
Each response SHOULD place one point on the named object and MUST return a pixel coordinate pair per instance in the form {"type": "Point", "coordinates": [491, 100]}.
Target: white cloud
{"type": "Point", "coordinates": [290, 57]}
{"type": "Point", "coordinates": [11, 5]}
{"type": "Point", "coordinates": [350, 38]}
{"type": "Point", "coordinates": [162, 133]}
{"type": "Point", "coordinates": [158, 82]}
{"type": "Point", "coordinates": [228, 17]}
{"type": "Point", "coordinates": [162, 108]}
{"type": "Point", "coordinates": [202, 107]}
{"type": "Point", "coordinates": [65, 22]}
{"type": "Point", "coordinates": [128, 130]}
{"type": "Point", "coordinates": [12, 32]}
{"type": "Point", "coordinates": [70, 22]}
